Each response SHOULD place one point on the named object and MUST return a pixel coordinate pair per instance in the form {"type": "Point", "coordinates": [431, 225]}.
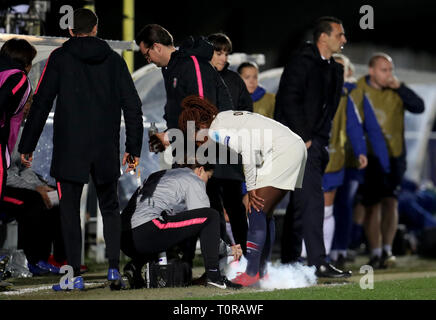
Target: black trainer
{"type": "Point", "coordinates": [200, 281]}
{"type": "Point", "coordinates": [223, 283]}
{"type": "Point", "coordinates": [387, 260]}
{"type": "Point", "coordinates": [134, 276]}
{"type": "Point", "coordinates": [340, 262]}
{"type": "Point", "coordinates": [375, 262]}
{"type": "Point", "coordinates": [326, 270]}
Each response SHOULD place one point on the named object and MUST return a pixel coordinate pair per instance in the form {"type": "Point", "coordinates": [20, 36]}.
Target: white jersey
{"type": "Point", "coordinates": [257, 138]}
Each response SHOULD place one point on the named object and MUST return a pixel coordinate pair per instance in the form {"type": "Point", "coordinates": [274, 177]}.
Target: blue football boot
{"type": "Point", "coordinates": [44, 265]}
{"type": "Point", "coordinates": [78, 284]}
{"type": "Point", "coordinates": [36, 270]}
{"type": "Point", "coordinates": [115, 279]}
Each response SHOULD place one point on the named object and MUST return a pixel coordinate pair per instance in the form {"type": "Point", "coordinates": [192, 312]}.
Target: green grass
{"type": "Point", "coordinates": [413, 278]}
{"type": "Point", "coordinates": [407, 289]}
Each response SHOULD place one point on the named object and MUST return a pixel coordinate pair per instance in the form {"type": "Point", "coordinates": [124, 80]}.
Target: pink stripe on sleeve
{"type": "Point", "coordinates": [59, 190]}
{"type": "Point", "coordinates": [19, 85]}
{"type": "Point", "coordinates": [12, 200]}
{"type": "Point", "coordinates": [198, 73]}
{"type": "Point", "coordinates": [180, 224]}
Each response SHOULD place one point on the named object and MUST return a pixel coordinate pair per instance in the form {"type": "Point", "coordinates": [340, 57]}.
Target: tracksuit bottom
{"type": "Point", "coordinates": [38, 227]}
{"type": "Point", "coordinates": [160, 234]}
{"type": "Point", "coordinates": [305, 212]}
{"type": "Point", "coordinates": [69, 204]}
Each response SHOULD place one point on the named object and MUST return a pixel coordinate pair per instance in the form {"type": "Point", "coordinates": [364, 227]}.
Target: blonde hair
{"type": "Point", "coordinates": [348, 67]}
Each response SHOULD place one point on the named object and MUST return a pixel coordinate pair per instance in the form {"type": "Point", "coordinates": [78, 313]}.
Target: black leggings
{"type": "Point", "coordinates": [38, 227]}
{"type": "Point", "coordinates": [161, 234]}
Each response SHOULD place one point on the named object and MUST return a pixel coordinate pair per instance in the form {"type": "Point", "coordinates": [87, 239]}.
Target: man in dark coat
{"type": "Point", "coordinates": [92, 85]}
{"type": "Point", "coordinates": [306, 102]}
{"type": "Point", "coordinates": [186, 71]}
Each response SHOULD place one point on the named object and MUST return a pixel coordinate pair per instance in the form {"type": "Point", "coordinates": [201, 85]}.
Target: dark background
{"type": "Point", "coordinates": [275, 28]}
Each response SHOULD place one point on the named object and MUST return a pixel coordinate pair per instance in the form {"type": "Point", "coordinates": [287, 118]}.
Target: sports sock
{"type": "Point", "coordinates": [267, 248]}
{"type": "Point", "coordinates": [334, 255]}
{"type": "Point", "coordinates": [256, 236]}
{"type": "Point", "coordinates": [376, 252]}
{"type": "Point", "coordinates": [328, 228]}
{"type": "Point", "coordinates": [387, 248]}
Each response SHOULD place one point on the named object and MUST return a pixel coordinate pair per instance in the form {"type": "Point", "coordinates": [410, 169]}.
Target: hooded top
{"type": "Point", "coordinates": [92, 85]}
{"type": "Point", "coordinates": [308, 95]}
{"type": "Point", "coordinates": [238, 90]}
{"type": "Point", "coordinates": [14, 92]}
{"type": "Point", "coordinates": [180, 79]}
{"type": "Point", "coordinates": [90, 50]}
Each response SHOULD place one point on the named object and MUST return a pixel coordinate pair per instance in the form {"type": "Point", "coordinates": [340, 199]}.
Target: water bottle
{"type": "Point", "coordinates": [153, 129]}
{"type": "Point", "coordinates": [162, 258]}
{"type": "Point", "coordinates": [151, 132]}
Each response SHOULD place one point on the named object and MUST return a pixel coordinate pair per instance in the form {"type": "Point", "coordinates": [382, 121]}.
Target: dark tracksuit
{"type": "Point", "coordinates": [38, 227]}
{"type": "Point", "coordinates": [180, 79]}
{"type": "Point", "coordinates": [306, 102]}
{"type": "Point", "coordinates": [225, 187]}
{"type": "Point", "coordinates": [9, 102]}
{"type": "Point", "coordinates": [93, 86]}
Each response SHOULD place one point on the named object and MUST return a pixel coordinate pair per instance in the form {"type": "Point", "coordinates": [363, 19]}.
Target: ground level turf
{"type": "Point", "coordinates": [413, 278]}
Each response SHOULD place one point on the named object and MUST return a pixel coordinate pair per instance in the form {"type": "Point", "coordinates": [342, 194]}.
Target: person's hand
{"type": "Point", "coordinates": [308, 144]}
{"type": "Point", "coordinates": [394, 83]}
{"type": "Point", "coordinates": [363, 161]}
{"type": "Point", "coordinates": [26, 159]}
{"type": "Point", "coordinates": [245, 201]}
{"type": "Point", "coordinates": [131, 161]}
{"type": "Point", "coordinates": [254, 201]}
{"type": "Point", "coordinates": [158, 142]}
{"type": "Point", "coordinates": [42, 190]}
{"type": "Point", "coordinates": [236, 252]}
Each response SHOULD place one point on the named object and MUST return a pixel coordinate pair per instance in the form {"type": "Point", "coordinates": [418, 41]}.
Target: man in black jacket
{"type": "Point", "coordinates": [186, 71]}
{"type": "Point", "coordinates": [92, 85]}
{"type": "Point", "coordinates": [306, 102]}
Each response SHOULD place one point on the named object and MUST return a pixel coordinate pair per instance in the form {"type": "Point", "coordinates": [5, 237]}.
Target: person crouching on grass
{"type": "Point", "coordinates": [170, 207]}
{"type": "Point", "coordinates": [279, 167]}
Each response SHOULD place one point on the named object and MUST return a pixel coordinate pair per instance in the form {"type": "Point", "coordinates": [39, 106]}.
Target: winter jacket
{"type": "Point", "coordinates": [242, 101]}
{"type": "Point", "coordinates": [308, 94]}
{"type": "Point", "coordinates": [14, 92]}
{"type": "Point", "coordinates": [181, 80]}
{"type": "Point", "coordinates": [238, 90]}
{"type": "Point", "coordinates": [92, 85]}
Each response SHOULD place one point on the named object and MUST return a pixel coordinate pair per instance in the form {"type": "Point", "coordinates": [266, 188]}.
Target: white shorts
{"type": "Point", "coordinates": [285, 168]}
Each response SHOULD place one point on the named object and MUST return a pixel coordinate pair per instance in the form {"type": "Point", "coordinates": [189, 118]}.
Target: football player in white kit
{"type": "Point", "coordinates": [274, 159]}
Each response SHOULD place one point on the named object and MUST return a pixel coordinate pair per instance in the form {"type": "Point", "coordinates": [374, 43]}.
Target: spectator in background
{"type": "Point", "coordinates": [93, 88]}
{"type": "Point", "coordinates": [353, 120]}
{"type": "Point", "coordinates": [16, 56]}
{"type": "Point", "coordinates": [389, 98]}
{"type": "Point", "coordinates": [306, 102]}
{"type": "Point", "coordinates": [186, 71]}
{"type": "Point", "coordinates": [225, 187]}
{"type": "Point", "coordinates": [264, 102]}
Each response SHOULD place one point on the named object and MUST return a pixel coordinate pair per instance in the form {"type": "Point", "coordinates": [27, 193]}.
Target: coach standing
{"type": "Point", "coordinates": [92, 85]}
{"type": "Point", "coordinates": [306, 102]}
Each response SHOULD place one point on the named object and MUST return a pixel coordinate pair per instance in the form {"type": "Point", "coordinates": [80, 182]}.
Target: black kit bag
{"type": "Point", "coordinates": [176, 273]}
